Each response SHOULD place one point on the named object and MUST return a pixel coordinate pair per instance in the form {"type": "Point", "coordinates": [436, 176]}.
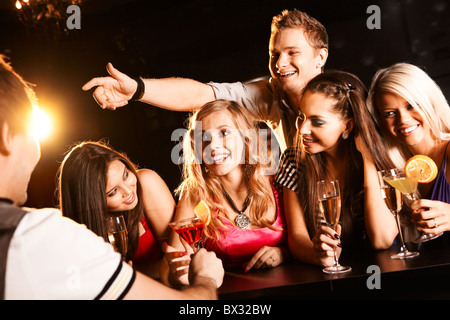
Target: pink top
{"type": "Point", "coordinates": [235, 246]}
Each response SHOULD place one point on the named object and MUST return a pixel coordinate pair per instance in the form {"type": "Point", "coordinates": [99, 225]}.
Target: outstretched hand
{"type": "Point", "coordinates": [114, 91]}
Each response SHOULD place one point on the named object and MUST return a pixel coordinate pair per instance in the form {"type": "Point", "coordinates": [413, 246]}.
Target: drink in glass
{"type": "Point", "coordinates": [118, 234]}
{"type": "Point", "coordinates": [393, 198]}
{"type": "Point", "coordinates": [407, 185]}
{"type": "Point", "coordinates": [330, 207]}
{"type": "Point", "coordinates": [190, 229]}
{"type": "Point", "coordinates": [331, 210]}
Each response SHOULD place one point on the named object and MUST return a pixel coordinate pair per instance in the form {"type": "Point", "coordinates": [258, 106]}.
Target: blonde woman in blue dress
{"type": "Point", "coordinates": [414, 117]}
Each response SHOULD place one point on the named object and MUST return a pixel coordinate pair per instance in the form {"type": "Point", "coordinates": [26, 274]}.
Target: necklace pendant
{"type": "Point", "coordinates": [242, 221]}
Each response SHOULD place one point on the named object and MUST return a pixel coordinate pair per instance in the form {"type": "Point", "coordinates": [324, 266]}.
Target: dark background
{"type": "Point", "coordinates": [206, 40]}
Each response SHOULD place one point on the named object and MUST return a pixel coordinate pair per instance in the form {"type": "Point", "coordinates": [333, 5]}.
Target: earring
{"type": "Point", "coordinates": [345, 135]}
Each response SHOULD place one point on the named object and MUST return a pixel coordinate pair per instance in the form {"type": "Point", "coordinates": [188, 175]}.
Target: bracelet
{"type": "Point", "coordinates": [139, 91]}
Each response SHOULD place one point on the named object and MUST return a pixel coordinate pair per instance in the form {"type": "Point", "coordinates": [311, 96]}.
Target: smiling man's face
{"type": "Point", "coordinates": [293, 62]}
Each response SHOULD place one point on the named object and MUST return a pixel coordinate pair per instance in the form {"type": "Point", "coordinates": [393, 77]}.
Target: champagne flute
{"type": "Point", "coordinates": [407, 184]}
{"type": "Point", "coordinates": [330, 207]}
{"type": "Point", "coordinates": [393, 199]}
{"type": "Point", "coordinates": [191, 230]}
{"type": "Point", "coordinates": [118, 234]}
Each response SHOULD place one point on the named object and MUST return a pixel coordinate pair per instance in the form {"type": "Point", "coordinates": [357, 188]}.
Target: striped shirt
{"type": "Point", "coordinates": [287, 175]}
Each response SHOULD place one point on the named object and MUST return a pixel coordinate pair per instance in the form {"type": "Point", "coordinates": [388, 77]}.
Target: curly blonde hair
{"type": "Point", "coordinates": [198, 184]}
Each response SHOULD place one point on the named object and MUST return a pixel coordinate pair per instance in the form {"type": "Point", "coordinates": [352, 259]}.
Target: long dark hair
{"type": "Point", "coordinates": [82, 189]}
{"type": "Point", "coordinates": [350, 96]}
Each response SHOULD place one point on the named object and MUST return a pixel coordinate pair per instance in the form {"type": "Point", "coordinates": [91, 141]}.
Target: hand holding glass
{"type": "Point", "coordinates": [118, 234]}
{"type": "Point", "coordinates": [330, 207]}
{"type": "Point", "coordinates": [191, 230]}
{"type": "Point", "coordinates": [407, 184]}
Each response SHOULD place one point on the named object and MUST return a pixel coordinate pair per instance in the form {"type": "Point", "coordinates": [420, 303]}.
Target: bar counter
{"type": "Point", "coordinates": [374, 275]}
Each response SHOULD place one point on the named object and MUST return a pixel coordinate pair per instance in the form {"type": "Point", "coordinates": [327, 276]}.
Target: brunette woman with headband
{"type": "Point", "coordinates": [336, 140]}
{"type": "Point", "coordinates": [96, 181]}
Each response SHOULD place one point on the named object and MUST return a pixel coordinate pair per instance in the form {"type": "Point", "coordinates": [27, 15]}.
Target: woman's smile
{"type": "Point", "coordinates": [220, 158]}
{"type": "Point", "coordinates": [408, 130]}
{"type": "Point", "coordinates": [308, 141]}
{"type": "Point", "coordinates": [130, 199]}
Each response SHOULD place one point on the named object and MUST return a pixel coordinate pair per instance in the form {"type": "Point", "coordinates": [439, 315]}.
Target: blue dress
{"type": "Point", "coordinates": [441, 187]}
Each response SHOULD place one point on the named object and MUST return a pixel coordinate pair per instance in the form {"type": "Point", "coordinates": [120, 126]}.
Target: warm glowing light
{"type": "Point", "coordinates": [41, 124]}
{"type": "Point", "coordinates": [18, 5]}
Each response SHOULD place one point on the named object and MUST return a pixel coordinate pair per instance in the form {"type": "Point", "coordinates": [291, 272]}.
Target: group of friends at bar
{"type": "Point", "coordinates": [327, 124]}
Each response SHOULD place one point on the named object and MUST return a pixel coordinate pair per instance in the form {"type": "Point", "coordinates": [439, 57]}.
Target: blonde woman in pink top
{"type": "Point", "coordinates": [247, 227]}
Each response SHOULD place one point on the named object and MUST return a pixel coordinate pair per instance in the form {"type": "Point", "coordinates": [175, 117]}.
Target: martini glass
{"type": "Point", "coordinates": [393, 199]}
{"type": "Point", "coordinates": [191, 230]}
{"type": "Point", "coordinates": [407, 184]}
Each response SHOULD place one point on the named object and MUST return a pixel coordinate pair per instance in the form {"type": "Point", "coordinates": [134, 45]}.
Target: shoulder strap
{"type": "Point", "coordinates": [10, 217]}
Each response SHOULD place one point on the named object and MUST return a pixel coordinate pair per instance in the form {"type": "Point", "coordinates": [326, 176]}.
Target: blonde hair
{"type": "Point", "coordinates": [198, 184]}
{"type": "Point", "coordinates": [314, 31]}
{"type": "Point", "coordinates": [415, 86]}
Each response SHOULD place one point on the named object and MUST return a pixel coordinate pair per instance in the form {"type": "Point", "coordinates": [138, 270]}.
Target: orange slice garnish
{"type": "Point", "coordinates": [427, 167]}
{"type": "Point", "coordinates": [202, 211]}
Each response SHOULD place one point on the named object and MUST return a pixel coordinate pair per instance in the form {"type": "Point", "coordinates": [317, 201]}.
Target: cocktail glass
{"type": "Point", "coordinates": [393, 199]}
{"type": "Point", "coordinates": [407, 184]}
{"type": "Point", "coordinates": [191, 230]}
